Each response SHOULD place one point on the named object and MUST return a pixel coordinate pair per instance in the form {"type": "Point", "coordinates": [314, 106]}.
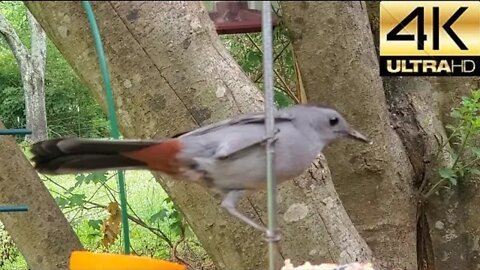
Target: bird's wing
{"type": "Point", "coordinates": [233, 136]}
{"type": "Point", "coordinates": [254, 118]}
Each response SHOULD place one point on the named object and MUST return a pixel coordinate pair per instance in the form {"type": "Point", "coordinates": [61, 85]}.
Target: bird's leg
{"type": "Point", "coordinates": [274, 137]}
{"type": "Point", "coordinates": [229, 202]}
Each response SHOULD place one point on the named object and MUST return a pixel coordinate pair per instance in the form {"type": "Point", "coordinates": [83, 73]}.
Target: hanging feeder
{"type": "Point", "coordinates": [235, 17]}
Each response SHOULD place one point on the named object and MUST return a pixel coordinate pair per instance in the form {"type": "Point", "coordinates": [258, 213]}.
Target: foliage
{"type": "Point", "coordinates": [71, 110]}
{"type": "Point", "coordinates": [87, 202]}
{"type": "Point", "coordinates": [8, 252]}
{"type": "Point", "coordinates": [246, 49]}
{"type": "Point", "coordinates": [464, 136]}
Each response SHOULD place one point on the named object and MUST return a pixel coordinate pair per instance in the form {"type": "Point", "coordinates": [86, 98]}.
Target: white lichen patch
{"type": "Point", "coordinates": [295, 212]}
{"type": "Point", "coordinates": [450, 235]}
{"type": "Point", "coordinates": [66, 19]}
{"type": "Point", "coordinates": [476, 246]}
{"type": "Point", "coordinates": [137, 78]}
{"type": "Point", "coordinates": [62, 30]}
{"type": "Point", "coordinates": [127, 83]}
{"type": "Point", "coordinates": [195, 23]}
{"type": "Point", "coordinates": [170, 183]}
{"type": "Point", "coordinates": [451, 217]}
{"type": "Point", "coordinates": [220, 92]}
{"type": "Point", "coordinates": [445, 256]}
{"type": "Point", "coordinates": [439, 225]}
{"type": "Point", "coordinates": [326, 266]}
{"type": "Point", "coordinates": [122, 114]}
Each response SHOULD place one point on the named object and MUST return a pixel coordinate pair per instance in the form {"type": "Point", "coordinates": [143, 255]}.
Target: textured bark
{"type": "Point", "coordinates": [35, 92]}
{"type": "Point", "coordinates": [336, 54]}
{"type": "Point", "coordinates": [344, 237]}
{"type": "Point", "coordinates": [420, 108]}
{"type": "Point", "coordinates": [416, 118]}
{"type": "Point", "coordinates": [470, 199]}
{"type": "Point", "coordinates": [43, 235]}
{"type": "Point", "coordinates": [450, 91]}
{"type": "Point", "coordinates": [32, 68]}
{"type": "Point", "coordinates": [170, 72]}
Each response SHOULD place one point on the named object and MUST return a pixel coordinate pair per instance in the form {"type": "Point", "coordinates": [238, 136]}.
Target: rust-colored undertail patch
{"type": "Point", "coordinates": [159, 157]}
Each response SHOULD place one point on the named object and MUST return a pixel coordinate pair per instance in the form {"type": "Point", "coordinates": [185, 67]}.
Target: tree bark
{"type": "Point", "coordinates": [337, 60]}
{"type": "Point", "coordinates": [171, 73]}
{"type": "Point", "coordinates": [37, 121]}
{"type": "Point", "coordinates": [42, 234]}
{"type": "Point", "coordinates": [446, 240]}
{"type": "Point", "coordinates": [32, 69]}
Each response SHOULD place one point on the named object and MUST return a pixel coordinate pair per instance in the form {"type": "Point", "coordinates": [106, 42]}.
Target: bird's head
{"type": "Point", "coordinates": [331, 125]}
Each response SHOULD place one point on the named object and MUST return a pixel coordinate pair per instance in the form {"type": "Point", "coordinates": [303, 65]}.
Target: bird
{"type": "Point", "coordinates": [227, 157]}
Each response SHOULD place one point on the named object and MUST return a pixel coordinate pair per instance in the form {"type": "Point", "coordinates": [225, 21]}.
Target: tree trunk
{"type": "Point", "coordinates": [446, 238]}
{"type": "Point", "coordinates": [37, 121]}
{"type": "Point", "coordinates": [334, 46]}
{"type": "Point", "coordinates": [171, 73]}
{"type": "Point", "coordinates": [43, 234]}
{"type": "Point", "coordinates": [32, 69]}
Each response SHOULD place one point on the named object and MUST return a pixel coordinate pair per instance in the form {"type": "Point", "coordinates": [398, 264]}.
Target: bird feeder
{"type": "Point", "coordinates": [235, 17]}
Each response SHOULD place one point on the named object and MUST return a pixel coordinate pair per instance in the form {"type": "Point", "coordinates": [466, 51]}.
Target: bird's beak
{"type": "Point", "coordinates": [358, 136]}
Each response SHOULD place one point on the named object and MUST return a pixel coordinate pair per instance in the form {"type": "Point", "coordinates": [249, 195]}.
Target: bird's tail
{"type": "Point", "coordinates": [62, 156]}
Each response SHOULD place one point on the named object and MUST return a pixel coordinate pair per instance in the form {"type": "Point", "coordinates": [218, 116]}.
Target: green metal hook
{"type": "Point", "coordinates": [112, 117]}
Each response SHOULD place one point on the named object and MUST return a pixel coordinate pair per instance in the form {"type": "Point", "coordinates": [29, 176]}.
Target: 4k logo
{"type": "Point", "coordinates": [438, 38]}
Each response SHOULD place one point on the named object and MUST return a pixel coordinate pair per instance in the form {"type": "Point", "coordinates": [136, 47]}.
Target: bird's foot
{"type": "Point", "coordinates": [272, 236]}
{"type": "Point", "coordinates": [274, 137]}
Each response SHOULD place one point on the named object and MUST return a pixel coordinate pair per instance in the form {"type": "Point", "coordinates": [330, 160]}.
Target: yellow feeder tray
{"type": "Point", "coordinates": [84, 260]}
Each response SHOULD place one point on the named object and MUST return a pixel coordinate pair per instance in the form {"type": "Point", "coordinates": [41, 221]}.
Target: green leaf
{"type": "Point", "coordinates": [253, 59]}
{"type": "Point", "coordinates": [175, 215]}
{"type": "Point", "coordinates": [93, 235]}
{"type": "Point", "coordinates": [77, 199]}
{"type": "Point", "coordinates": [95, 223]}
{"type": "Point", "coordinates": [96, 177]}
{"type": "Point", "coordinates": [80, 177]}
{"type": "Point", "coordinates": [452, 181]}
{"type": "Point", "coordinates": [456, 114]}
{"type": "Point", "coordinates": [176, 227]}
{"type": "Point", "coordinates": [61, 201]}
{"type": "Point", "coordinates": [450, 127]}
{"type": "Point", "coordinates": [474, 171]}
{"type": "Point", "coordinates": [446, 173]}
{"type": "Point", "coordinates": [282, 99]}
{"type": "Point", "coordinates": [159, 216]}
{"type": "Point", "coordinates": [476, 151]}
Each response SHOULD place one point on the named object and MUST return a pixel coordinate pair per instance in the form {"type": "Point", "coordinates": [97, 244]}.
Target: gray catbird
{"type": "Point", "coordinates": [228, 156]}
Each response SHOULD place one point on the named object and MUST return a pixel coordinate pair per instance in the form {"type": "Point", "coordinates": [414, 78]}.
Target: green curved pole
{"type": "Point", "coordinates": [112, 117]}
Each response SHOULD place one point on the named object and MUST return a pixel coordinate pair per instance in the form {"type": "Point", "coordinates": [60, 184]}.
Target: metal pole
{"type": "Point", "coordinates": [13, 131]}
{"type": "Point", "coordinates": [269, 129]}
{"type": "Point", "coordinates": [13, 208]}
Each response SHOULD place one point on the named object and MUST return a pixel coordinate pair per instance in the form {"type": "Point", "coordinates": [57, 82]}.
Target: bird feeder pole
{"type": "Point", "coordinates": [270, 127]}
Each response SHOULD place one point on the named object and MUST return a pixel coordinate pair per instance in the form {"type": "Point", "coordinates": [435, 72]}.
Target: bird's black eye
{"type": "Point", "coordinates": [333, 121]}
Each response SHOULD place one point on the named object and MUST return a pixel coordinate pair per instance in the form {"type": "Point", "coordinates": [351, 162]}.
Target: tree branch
{"type": "Point", "coordinates": [19, 50]}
